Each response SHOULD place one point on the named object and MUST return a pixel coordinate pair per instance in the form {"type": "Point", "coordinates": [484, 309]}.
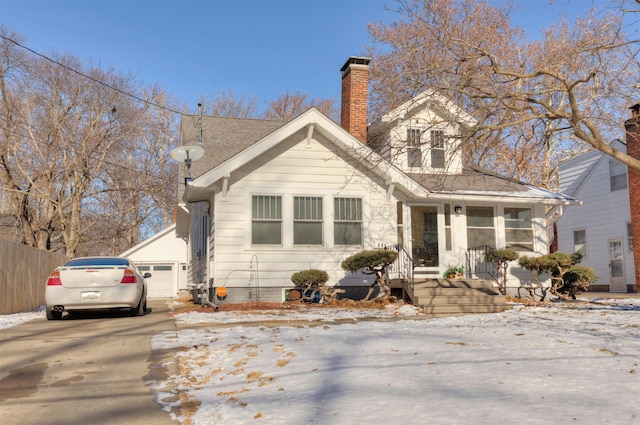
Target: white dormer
{"type": "Point", "coordinates": [423, 135]}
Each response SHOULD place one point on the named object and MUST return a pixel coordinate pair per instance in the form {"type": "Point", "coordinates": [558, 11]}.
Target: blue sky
{"type": "Point", "coordinates": [257, 48]}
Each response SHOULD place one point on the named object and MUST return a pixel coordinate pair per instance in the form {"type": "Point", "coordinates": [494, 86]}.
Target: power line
{"type": "Point", "coordinates": [113, 164]}
{"type": "Point", "coordinates": [148, 102]}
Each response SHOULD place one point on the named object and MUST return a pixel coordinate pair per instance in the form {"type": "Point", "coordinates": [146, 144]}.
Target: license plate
{"type": "Point", "coordinates": [90, 296]}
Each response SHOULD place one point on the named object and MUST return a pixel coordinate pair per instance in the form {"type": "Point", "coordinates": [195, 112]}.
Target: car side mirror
{"type": "Point", "coordinates": [147, 275]}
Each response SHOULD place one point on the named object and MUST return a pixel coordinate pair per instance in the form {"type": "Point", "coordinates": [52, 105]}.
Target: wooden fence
{"type": "Point", "coordinates": [23, 276]}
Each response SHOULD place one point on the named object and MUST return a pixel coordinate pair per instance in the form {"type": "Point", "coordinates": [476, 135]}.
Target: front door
{"type": "Point", "coordinates": [616, 266]}
{"type": "Point", "coordinates": [424, 235]}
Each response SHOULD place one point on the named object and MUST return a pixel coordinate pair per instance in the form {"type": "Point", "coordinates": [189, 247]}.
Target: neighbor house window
{"type": "Point", "coordinates": [266, 220]}
{"type": "Point", "coordinates": [617, 175]}
{"type": "Point", "coordinates": [480, 227]}
{"type": "Point", "coordinates": [437, 149]}
{"type": "Point", "coordinates": [518, 231]}
{"type": "Point", "coordinates": [580, 242]}
{"type": "Point", "coordinates": [307, 220]}
{"type": "Point", "coordinates": [347, 226]}
{"type": "Point", "coordinates": [414, 152]}
{"type": "Point", "coordinates": [630, 236]}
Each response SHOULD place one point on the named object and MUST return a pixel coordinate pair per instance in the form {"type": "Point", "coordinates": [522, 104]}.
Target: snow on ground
{"type": "Point", "coordinates": [566, 363]}
{"type": "Point", "coordinates": [10, 320]}
{"type": "Point", "coordinates": [563, 364]}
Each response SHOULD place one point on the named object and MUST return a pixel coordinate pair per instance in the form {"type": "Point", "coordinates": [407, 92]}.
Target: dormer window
{"type": "Point", "coordinates": [414, 152]}
{"type": "Point", "coordinates": [437, 148]}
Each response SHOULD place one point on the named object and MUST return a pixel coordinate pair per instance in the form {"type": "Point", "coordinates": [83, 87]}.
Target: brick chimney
{"type": "Point", "coordinates": [355, 91]}
{"type": "Point", "coordinates": [632, 130]}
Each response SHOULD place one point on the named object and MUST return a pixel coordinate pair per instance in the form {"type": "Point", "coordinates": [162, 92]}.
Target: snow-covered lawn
{"type": "Point", "coordinates": [563, 364]}
{"type": "Point", "coordinates": [566, 363]}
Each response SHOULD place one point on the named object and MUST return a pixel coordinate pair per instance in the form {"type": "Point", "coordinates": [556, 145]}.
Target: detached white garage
{"type": "Point", "coordinates": [164, 256]}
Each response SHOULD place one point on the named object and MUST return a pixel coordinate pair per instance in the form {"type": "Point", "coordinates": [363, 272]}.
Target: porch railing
{"type": "Point", "coordinates": [478, 266]}
{"type": "Point", "coordinates": [402, 268]}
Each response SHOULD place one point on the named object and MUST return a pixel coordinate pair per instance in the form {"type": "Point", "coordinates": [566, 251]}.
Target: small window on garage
{"type": "Point", "coordinates": [144, 268]}
{"type": "Point", "coordinates": [162, 268]}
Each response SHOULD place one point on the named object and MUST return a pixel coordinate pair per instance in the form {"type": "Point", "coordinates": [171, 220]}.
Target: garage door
{"type": "Point", "coordinates": [162, 283]}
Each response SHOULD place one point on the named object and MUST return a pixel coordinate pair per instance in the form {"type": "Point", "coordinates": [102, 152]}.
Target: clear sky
{"type": "Point", "coordinates": [257, 48]}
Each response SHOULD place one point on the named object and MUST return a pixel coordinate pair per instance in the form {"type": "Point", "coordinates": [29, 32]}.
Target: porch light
{"type": "Point", "coordinates": [457, 209]}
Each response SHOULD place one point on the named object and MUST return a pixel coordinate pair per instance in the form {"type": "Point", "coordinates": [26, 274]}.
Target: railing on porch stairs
{"type": "Point", "coordinates": [478, 266]}
{"type": "Point", "coordinates": [402, 268]}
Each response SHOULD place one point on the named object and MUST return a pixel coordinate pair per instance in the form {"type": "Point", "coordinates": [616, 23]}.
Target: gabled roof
{"type": "Point", "coordinates": [574, 172]}
{"type": "Point", "coordinates": [222, 138]}
{"type": "Point", "coordinates": [428, 99]}
{"type": "Point", "coordinates": [311, 120]}
{"type": "Point", "coordinates": [148, 241]}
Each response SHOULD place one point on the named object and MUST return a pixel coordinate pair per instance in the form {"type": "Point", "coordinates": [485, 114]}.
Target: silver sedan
{"type": "Point", "coordinates": [92, 283]}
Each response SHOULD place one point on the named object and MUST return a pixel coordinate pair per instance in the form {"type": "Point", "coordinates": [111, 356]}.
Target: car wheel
{"type": "Point", "coordinates": [140, 309]}
{"type": "Point", "coordinates": [54, 315]}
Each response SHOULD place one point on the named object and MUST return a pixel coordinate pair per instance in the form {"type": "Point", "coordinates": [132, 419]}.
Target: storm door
{"type": "Point", "coordinates": [616, 266]}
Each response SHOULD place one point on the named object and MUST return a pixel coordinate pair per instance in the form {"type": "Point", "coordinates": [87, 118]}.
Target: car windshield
{"type": "Point", "coordinates": [98, 261]}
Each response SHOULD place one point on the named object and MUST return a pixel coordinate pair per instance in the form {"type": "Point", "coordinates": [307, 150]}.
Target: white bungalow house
{"type": "Point", "coordinates": [600, 228]}
{"type": "Point", "coordinates": [271, 198]}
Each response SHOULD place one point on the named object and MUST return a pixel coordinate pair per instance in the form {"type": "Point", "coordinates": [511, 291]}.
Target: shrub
{"type": "Point", "coordinates": [566, 277]}
{"type": "Point", "coordinates": [373, 262]}
{"type": "Point", "coordinates": [500, 258]}
{"type": "Point", "coordinates": [311, 277]}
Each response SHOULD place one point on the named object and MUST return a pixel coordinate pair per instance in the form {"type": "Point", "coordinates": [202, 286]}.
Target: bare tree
{"type": "Point", "coordinates": [533, 98]}
{"type": "Point", "coordinates": [229, 104]}
{"type": "Point", "coordinates": [288, 106]}
{"type": "Point", "coordinates": [83, 152]}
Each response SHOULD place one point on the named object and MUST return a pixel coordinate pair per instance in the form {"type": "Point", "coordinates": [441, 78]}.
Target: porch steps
{"type": "Point", "coordinates": [447, 297]}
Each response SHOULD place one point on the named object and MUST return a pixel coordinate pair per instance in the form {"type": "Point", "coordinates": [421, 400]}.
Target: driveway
{"type": "Point", "coordinates": [89, 369]}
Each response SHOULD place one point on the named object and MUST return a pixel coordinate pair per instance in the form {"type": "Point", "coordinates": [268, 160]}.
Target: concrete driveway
{"type": "Point", "coordinates": [89, 369]}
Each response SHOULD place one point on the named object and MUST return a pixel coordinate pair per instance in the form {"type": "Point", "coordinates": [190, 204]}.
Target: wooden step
{"type": "Point", "coordinates": [463, 309]}
{"type": "Point", "coordinates": [444, 297]}
{"type": "Point", "coordinates": [460, 300]}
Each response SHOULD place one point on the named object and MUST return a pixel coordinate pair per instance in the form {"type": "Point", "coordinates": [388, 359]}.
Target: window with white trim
{"type": "Point", "coordinates": [266, 220]}
{"type": "Point", "coordinates": [414, 151]}
{"type": "Point", "coordinates": [630, 236]}
{"type": "Point", "coordinates": [437, 148]}
{"type": "Point", "coordinates": [307, 220]}
{"type": "Point", "coordinates": [617, 175]}
{"type": "Point", "coordinates": [580, 242]}
{"type": "Point", "coordinates": [518, 229]}
{"type": "Point", "coordinates": [347, 226]}
{"type": "Point", "coordinates": [481, 229]}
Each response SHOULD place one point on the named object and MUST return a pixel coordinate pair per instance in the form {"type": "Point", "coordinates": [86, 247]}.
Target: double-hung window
{"type": "Point", "coordinates": [580, 242]}
{"type": "Point", "coordinates": [518, 230]}
{"type": "Point", "coordinates": [617, 175]}
{"type": "Point", "coordinates": [347, 226]}
{"type": "Point", "coordinates": [414, 151]}
{"type": "Point", "coordinates": [266, 220]}
{"type": "Point", "coordinates": [307, 220]}
{"type": "Point", "coordinates": [437, 148]}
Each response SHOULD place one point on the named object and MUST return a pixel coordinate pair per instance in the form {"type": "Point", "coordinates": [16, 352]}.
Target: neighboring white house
{"type": "Point", "coordinates": [600, 228]}
{"type": "Point", "coordinates": [164, 255]}
{"type": "Point", "coordinates": [272, 198]}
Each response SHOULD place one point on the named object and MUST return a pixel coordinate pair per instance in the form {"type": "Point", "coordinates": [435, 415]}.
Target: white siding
{"type": "Point", "coordinates": [162, 249]}
{"type": "Point", "coordinates": [603, 215]}
{"type": "Point", "coordinates": [295, 168]}
{"type": "Point", "coordinates": [426, 120]}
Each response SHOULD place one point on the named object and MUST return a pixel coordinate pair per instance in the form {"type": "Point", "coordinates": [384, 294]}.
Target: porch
{"type": "Point", "coordinates": [437, 296]}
